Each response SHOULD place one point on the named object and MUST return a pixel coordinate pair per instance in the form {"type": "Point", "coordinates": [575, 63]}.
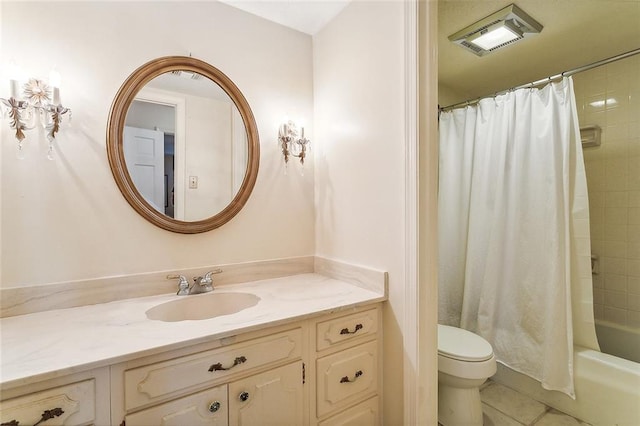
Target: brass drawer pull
{"type": "Point", "coordinates": [345, 379]}
{"type": "Point", "coordinates": [218, 366]}
{"type": "Point", "coordinates": [346, 330]}
{"type": "Point", "coordinates": [46, 415]}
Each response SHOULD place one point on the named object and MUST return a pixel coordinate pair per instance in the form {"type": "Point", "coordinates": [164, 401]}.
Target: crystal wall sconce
{"type": "Point", "coordinates": [292, 143]}
{"type": "Point", "coordinates": [34, 102]}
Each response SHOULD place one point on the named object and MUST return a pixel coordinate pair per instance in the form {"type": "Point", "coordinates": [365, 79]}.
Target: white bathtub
{"type": "Point", "coordinates": [607, 389]}
{"type": "Point", "coordinates": [618, 340]}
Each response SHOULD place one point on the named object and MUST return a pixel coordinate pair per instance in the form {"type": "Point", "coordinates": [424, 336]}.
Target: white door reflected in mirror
{"type": "Point", "coordinates": [144, 153]}
{"type": "Point", "coordinates": [199, 134]}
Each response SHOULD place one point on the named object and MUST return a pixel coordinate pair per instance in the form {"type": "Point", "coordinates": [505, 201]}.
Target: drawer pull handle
{"type": "Point", "coordinates": [46, 415]}
{"type": "Point", "coordinates": [345, 379]}
{"type": "Point", "coordinates": [346, 330]}
{"type": "Point", "coordinates": [218, 366]}
{"type": "Point", "coordinates": [214, 406]}
{"type": "Point", "coordinates": [244, 396]}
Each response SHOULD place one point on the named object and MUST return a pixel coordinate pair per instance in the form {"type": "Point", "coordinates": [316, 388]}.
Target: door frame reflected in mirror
{"type": "Point", "coordinates": [160, 97]}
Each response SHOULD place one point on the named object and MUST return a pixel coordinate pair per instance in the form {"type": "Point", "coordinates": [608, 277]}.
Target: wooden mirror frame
{"type": "Point", "coordinates": [115, 142]}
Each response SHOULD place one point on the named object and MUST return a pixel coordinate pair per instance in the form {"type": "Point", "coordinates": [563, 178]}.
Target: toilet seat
{"type": "Point", "coordinates": [462, 345]}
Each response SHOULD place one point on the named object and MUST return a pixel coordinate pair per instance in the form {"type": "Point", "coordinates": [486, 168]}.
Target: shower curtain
{"type": "Point", "coordinates": [514, 227]}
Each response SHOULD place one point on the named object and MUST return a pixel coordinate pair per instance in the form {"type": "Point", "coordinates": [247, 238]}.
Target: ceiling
{"type": "Point", "coordinates": [575, 33]}
{"type": "Point", "coordinates": [307, 16]}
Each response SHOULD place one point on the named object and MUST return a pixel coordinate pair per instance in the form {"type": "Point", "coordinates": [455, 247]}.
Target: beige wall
{"type": "Point", "coordinates": [613, 176]}
{"type": "Point", "coordinates": [66, 220]}
{"type": "Point", "coordinates": [360, 187]}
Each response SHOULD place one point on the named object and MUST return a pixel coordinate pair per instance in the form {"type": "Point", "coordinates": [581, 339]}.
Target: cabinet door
{"type": "Point", "coordinates": [208, 408]}
{"type": "Point", "coordinates": [272, 398]}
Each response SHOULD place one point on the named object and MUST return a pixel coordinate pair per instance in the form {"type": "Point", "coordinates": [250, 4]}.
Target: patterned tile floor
{"type": "Point", "coordinates": [503, 406]}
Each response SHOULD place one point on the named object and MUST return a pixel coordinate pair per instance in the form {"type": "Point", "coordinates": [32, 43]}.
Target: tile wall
{"type": "Point", "coordinates": [609, 96]}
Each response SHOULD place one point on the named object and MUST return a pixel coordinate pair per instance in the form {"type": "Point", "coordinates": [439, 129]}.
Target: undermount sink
{"type": "Point", "coordinates": [202, 306]}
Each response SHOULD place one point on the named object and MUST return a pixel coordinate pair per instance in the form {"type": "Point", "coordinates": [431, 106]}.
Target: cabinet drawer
{"type": "Point", "coordinates": [204, 408]}
{"type": "Point", "coordinates": [155, 382]}
{"type": "Point", "coordinates": [364, 414]}
{"type": "Point", "coordinates": [346, 376]}
{"type": "Point", "coordinates": [75, 404]}
{"type": "Point", "coordinates": [338, 330]}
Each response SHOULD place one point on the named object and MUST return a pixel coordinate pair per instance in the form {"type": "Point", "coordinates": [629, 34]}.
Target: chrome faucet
{"type": "Point", "coordinates": [200, 284]}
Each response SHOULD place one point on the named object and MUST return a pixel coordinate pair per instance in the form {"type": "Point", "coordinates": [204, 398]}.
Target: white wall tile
{"type": "Point", "coordinates": [633, 268]}
{"type": "Point", "coordinates": [616, 315]}
{"type": "Point", "coordinates": [613, 178]}
{"type": "Point", "coordinates": [615, 232]}
{"type": "Point", "coordinates": [617, 299]}
{"type": "Point", "coordinates": [615, 249]}
{"type": "Point", "coordinates": [633, 319]}
{"type": "Point", "coordinates": [615, 282]}
{"type": "Point", "coordinates": [633, 250]}
{"type": "Point", "coordinates": [633, 302]}
{"type": "Point", "coordinates": [616, 199]}
{"type": "Point", "coordinates": [616, 215]}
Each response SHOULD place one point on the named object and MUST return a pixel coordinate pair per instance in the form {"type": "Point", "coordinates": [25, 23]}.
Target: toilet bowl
{"type": "Point", "coordinates": [465, 361]}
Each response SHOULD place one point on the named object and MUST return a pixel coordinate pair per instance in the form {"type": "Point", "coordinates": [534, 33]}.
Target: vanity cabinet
{"type": "Point", "coordinates": [253, 378]}
{"type": "Point", "coordinates": [322, 370]}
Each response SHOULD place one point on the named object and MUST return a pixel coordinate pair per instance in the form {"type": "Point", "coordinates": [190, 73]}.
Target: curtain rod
{"type": "Point", "coordinates": [544, 80]}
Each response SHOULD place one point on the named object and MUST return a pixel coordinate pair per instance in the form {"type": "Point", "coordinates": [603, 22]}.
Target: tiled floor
{"type": "Point", "coordinates": [503, 406]}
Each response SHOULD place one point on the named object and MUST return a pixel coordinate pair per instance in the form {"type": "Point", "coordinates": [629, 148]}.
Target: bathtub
{"type": "Point", "coordinates": [618, 340]}
{"type": "Point", "coordinates": [607, 389]}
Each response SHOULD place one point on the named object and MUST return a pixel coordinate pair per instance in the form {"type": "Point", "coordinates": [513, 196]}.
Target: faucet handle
{"type": "Point", "coordinates": [207, 276]}
{"type": "Point", "coordinates": [183, 284]}
{"type": "Point", "coordinates": [206, 282]}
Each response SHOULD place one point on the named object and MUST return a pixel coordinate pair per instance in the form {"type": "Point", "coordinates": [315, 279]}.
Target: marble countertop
{"type": "Point", "coordinates": [49, 344]}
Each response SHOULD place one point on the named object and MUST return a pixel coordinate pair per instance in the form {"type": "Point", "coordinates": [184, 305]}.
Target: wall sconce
{"type": "Point", "coordinates": [33, 102]}
{"type": "Point", "coordinates": [292, 143]}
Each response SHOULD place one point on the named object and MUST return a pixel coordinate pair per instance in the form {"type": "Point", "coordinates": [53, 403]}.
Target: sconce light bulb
{"type": "Point", "coordinates": [54, 78]}
{"type": "Point", "coordinates": [15, 77]}
{"type": "Point", "coordinates": [15, 73]}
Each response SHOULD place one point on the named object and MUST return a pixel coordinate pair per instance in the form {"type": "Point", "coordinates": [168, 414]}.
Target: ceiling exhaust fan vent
{"type": "Point", "coordinates": [475, 49]}
{"type": "Point", "coordinates": [496, 31]}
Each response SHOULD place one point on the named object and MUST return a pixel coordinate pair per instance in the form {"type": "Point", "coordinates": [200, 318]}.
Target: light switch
{"type": "Point", "coordinates": [193, 182]}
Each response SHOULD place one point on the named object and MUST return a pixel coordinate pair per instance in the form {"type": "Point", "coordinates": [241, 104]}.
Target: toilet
{"type": "Point", "coordinates": [465, 361]}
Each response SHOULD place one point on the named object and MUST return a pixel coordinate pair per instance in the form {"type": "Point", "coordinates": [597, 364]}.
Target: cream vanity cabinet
{"type": "Point", "coordinates": [320, 371]}
{"type": "Point", "coordinates": [79, 399]}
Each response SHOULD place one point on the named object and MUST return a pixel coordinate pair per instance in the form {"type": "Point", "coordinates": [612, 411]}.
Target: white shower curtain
{"type": "Point", "coordinates": [514, 227]}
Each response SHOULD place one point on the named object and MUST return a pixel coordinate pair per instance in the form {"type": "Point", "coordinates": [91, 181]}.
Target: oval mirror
{"type": "Point", "coordinates": [183, 144]}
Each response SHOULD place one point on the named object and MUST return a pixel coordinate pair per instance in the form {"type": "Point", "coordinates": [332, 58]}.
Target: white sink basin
{"type": "Point", "coordinates": [202, 306]}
